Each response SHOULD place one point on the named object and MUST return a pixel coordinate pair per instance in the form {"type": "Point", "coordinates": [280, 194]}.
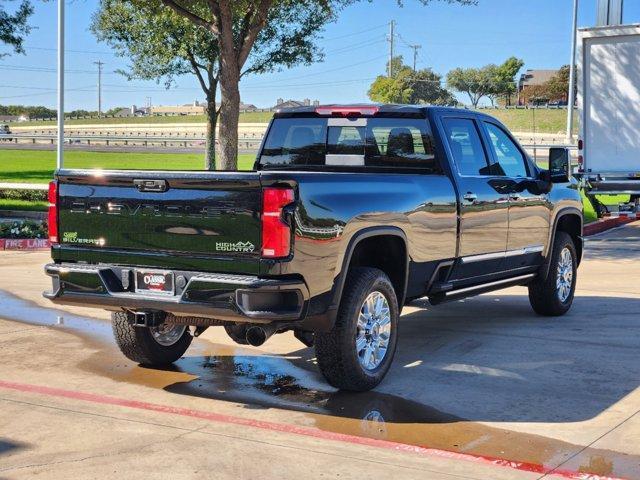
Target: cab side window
{"type": "Point", "coordinates": [466, 146]}
{"type": "Point", "coordinates": [511, 161]}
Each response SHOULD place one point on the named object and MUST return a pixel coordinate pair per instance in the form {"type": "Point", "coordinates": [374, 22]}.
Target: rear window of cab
{"type": "Point", "coordinates": [350, 142]}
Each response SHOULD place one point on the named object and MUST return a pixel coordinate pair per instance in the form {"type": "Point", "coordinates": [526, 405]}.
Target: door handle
{"type": "Point", "coordinates": [470, 197]}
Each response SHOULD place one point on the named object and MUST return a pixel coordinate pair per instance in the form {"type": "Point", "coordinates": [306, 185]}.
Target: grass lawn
{"type": "Point", "coordinates": [538, 120]}
{"type": "Point", "coordinates": [12, 204]}
{"type": "Point", "coordinates": [247, 117]}
{"type": "Point", "coordinates": [521, 120]}
{"type": "Point", "coordinates": [37, 166]}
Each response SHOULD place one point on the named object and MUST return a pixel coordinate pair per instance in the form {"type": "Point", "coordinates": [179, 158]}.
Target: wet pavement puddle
{"type": "Point", "coordinates": [291, 383]}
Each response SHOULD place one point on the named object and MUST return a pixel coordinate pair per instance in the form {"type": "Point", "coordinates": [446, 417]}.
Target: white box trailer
{"type": "Point", "coordinates": [608, 61]}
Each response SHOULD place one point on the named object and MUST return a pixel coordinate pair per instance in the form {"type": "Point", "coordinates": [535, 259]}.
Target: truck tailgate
{"type": "Point", "coordinates": [213, 214]}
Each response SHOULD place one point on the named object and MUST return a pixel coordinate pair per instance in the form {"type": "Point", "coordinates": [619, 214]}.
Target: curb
{"type": "Point", "coordinates": [24, 243]}
{"type": "Point", "coordinates": [604, 224]}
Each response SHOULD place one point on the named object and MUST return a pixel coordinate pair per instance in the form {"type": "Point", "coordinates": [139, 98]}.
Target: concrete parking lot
{"type": "Point", "coordinates": [481, 388]}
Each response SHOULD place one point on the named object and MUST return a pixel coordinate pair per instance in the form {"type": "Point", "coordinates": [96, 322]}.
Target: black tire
{"type": "Point", "coordinates": [138, 343]}
{"type": "Point", "coordinates": [336, 350]}
{"type": "Point", "coordinates": [544, 294]}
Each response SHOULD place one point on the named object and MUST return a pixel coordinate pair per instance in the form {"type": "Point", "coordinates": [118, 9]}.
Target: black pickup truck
{"type": "Point", "coordinates": [350, 213]}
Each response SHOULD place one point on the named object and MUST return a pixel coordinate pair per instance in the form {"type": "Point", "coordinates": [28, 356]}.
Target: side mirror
{"type": "Point", "coordinates": [559, 164]}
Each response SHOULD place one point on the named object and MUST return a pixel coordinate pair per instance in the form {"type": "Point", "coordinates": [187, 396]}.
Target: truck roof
{"type": "Point", "coordinates": [382, 108]}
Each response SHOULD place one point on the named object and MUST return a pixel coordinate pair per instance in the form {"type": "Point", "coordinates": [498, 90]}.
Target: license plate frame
{"type": "Point", "coordinates": [154, 282]}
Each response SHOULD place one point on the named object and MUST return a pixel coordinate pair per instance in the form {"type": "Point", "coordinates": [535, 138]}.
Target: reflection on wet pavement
{"type": "Point", "coordinates": [291, 383]}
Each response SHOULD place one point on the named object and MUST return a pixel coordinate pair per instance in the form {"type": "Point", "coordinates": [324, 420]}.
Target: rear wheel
{"type": "Point", "coordinates": [554, 295]}
{"type": "Point", "coordinates": [359, 350]}
{"type": "Point", "coordinates": [153, 346]}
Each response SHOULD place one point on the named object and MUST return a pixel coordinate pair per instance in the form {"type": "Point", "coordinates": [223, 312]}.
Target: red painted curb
{"type": "Point", "coordinates": [24, 243]}
{"type": "Point", "coordinates": [604, 224]}
{"type": "Point", "coordinates": [296, 430]}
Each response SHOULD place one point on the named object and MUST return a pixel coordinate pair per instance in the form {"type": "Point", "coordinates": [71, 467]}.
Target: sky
{"type": "Point", "coordinates": [355, 46]}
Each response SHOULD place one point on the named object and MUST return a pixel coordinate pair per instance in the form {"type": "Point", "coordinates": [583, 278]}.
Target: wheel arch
{"type": "Point", "coordinates": [361, 243]}
{"type": "Point", "coordinates": [570, 221]}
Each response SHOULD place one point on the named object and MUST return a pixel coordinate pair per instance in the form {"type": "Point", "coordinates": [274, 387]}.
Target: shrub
{"type": "Point", "coordinates": [23, 229]}
{"type": "Point", "coordinates": [28, 195]}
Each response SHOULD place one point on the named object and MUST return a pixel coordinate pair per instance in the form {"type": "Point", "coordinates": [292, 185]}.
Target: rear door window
{"type": "Point", "coordinates": [466, 146]}
{"type": "Point", "coordinates": [295, 141]}
{"type": "Point", "coordinates": [365, 142]}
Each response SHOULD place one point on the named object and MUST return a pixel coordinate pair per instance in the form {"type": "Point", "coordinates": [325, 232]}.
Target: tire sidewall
{"type": "Point", "coordinates": [568, 244]}
{"type": "Point", "coordinates": [564, 241]}
{"type": "Point", "coordinates": [352, 311]}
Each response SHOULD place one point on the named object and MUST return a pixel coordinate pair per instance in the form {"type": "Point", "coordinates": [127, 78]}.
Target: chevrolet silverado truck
{"type": "Point", "coordinates": [349, 213]}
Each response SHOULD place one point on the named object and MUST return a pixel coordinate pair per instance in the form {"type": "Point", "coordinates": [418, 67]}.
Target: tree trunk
{"type": "Point", "coordinates": [229, 118]}
{"type": "Point", "coordinates": [212, 120]}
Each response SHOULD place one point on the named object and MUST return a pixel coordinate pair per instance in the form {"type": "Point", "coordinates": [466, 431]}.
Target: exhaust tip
{"type": "Point", "coordinates": [256, 336]}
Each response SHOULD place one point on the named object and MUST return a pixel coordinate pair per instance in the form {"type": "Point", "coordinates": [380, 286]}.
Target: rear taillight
{"type": "Point", "coordinates": [53, 212]}
{"type": "Point", "coordinates": [276, 233]}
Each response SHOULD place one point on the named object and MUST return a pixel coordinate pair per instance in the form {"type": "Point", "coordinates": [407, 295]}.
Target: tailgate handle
{"type": "Point", "coordinates": [151, 185]}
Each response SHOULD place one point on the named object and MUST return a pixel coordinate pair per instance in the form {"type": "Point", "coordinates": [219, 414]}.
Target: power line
{"type": "Point", "coordinates": [34, 68]}
{"type": "Point", "coordinates": [353, 34]}
{"type": "Point", "coordinates": [89, 52]}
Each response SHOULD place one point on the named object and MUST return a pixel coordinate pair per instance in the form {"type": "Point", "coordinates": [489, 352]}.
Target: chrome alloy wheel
{"type": "Point", "coordinates": [564, 276]}
{"type": "Point", "coordinates": [167, 334]}
{"type": "Point", "coordinates": [374, 331]}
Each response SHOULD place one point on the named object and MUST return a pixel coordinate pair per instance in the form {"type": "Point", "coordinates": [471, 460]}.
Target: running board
{"type": "Point", "coordinates": [479, 289]}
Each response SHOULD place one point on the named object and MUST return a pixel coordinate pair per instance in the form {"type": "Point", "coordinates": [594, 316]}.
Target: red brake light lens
{"type": "Point", "coordinates": [276, 234]}
{"type": "Point", "coordinates": [348, 111]}
{"type": "Point", "coordinates": [53, 212]}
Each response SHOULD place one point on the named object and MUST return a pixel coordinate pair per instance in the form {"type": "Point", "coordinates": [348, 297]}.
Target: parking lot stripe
{"type": "Point", "coordinates": [296, 430]}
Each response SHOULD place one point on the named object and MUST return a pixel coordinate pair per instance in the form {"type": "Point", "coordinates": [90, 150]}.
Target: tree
{"type": "Point", "coordinates": [558, 86]}
{"type": "Point", "coordinates": [491, 81]}
{"type": "Point", "coordinates": [407, 86]}
{"type": "Point", "coordinates": [475, 82]}
{"type": "Point", "coordinates": [14, 26]}
{"type": "Point", "coordinates": [273, 33]}
{"type": "Point", "coordinates": [162, 46]}
{"type": "Point", "coordinates": [506, 77]}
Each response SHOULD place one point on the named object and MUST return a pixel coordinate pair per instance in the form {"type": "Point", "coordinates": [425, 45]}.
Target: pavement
{"type": "Point", "coordinates": [481, 388]}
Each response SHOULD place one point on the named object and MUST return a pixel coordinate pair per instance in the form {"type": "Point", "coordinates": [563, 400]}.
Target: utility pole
{"type": "Point", "coordinates": [391, 38]}
{"type": "Point", "coordinates": [99, 64]}
{"type": "Point", "coordinates": [60, 146]}
{"type": "Point", "coordinates": [572, 73]}
{"type": "Point", "coordinates": [415, 54]}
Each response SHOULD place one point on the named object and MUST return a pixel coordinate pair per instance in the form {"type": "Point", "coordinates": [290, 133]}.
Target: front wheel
{"type": "Point", "coordinates": [152, 346]}
{"type": "Point", "coordinates": [554, 296]}
{"type": "Point", "coordinates": [358, 352]}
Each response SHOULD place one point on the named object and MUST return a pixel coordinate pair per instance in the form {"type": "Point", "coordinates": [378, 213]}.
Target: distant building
{"type": "Point", "coordinates": [132, 111]}
{"type": "Point", "coordinates": [281, 103]}
{"type": "Point", "coordinates": [195, 108]}
{"type": "Point", "coordinates": [13, 118]}
{"type": "Point", "coordinates": [530, 84]}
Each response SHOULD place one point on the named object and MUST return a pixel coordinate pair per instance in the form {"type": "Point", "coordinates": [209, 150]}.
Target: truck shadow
{"type": "Point", "coordinates": [487, 359]}
{"type": "Point", "coordinates": [484, 359]}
